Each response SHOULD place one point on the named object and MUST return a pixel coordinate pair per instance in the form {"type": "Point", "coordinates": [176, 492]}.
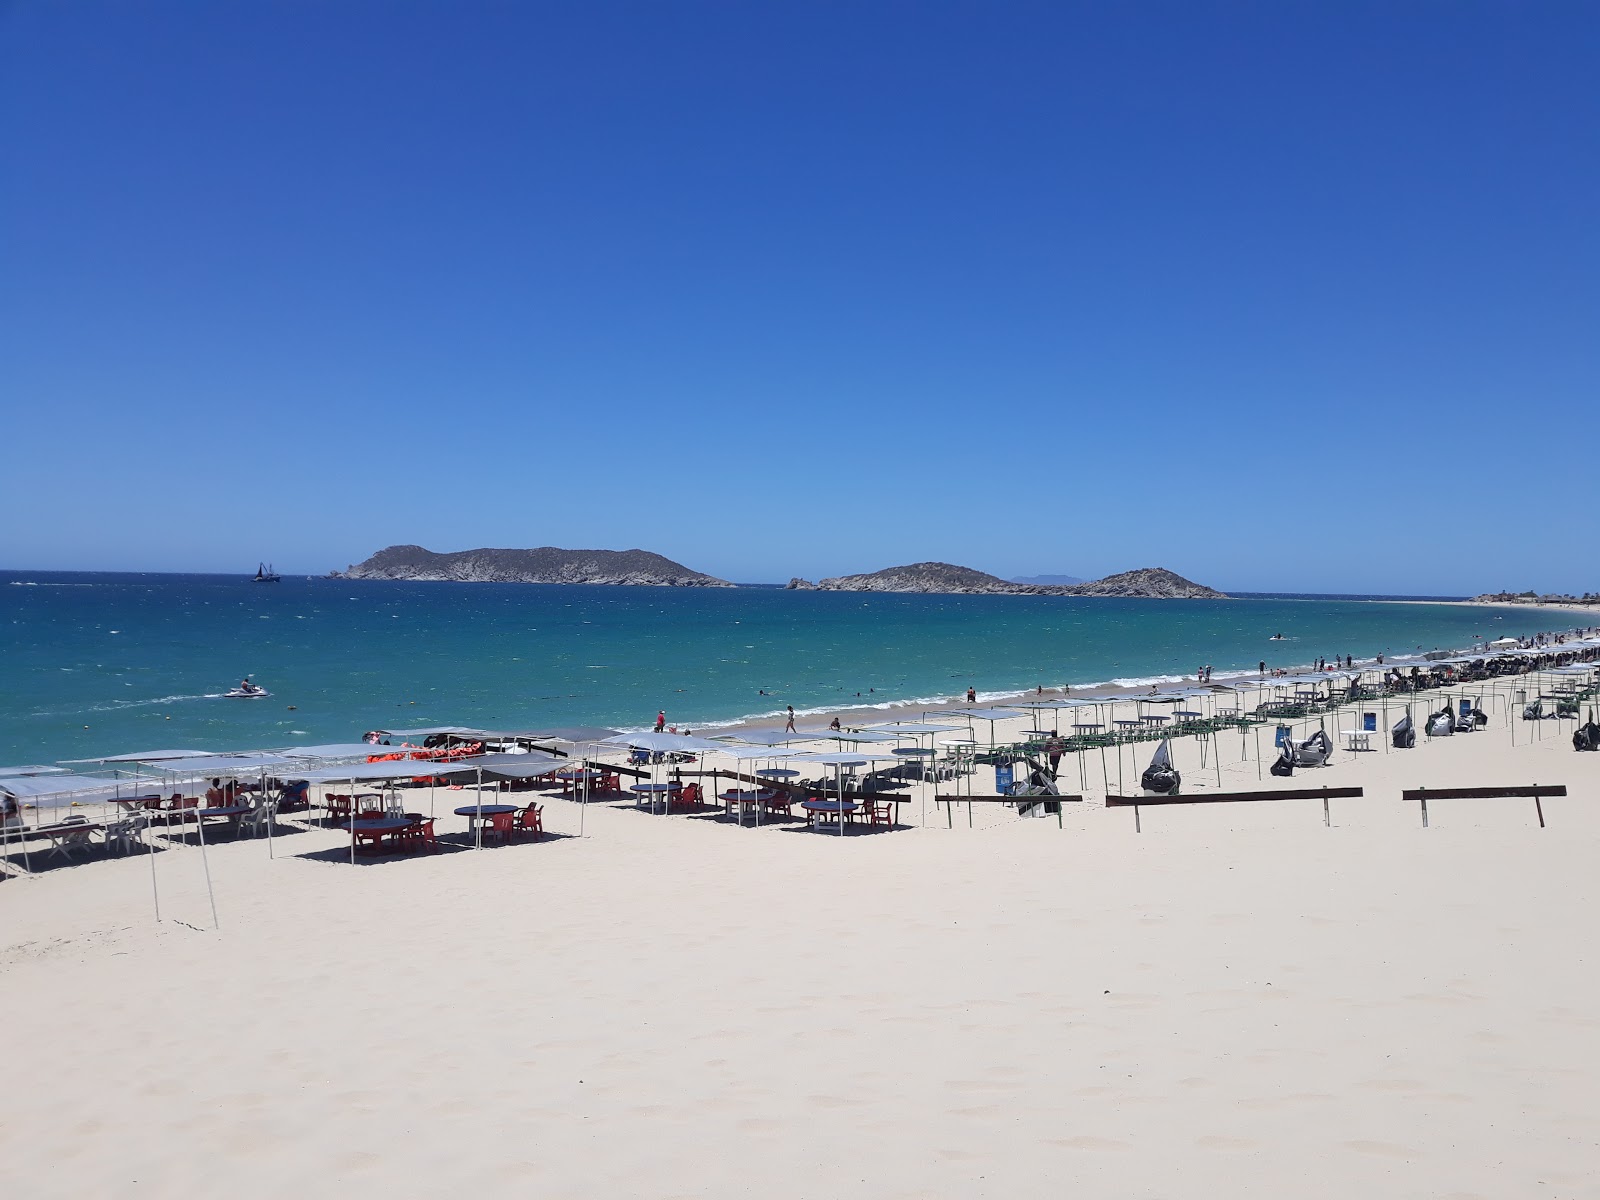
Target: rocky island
{"type": "Point", "coordinates": [1145, 583]}
{"type": "Point", "coordinates": [546, 564]}
{"type": "Point", "coordinates": [1534, 598]}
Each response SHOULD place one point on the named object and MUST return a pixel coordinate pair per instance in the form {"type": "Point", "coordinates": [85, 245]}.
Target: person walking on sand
{"type": "Point", "coordinates": [661, 720]}
{"type": "Point", "coordinates": [972, 695]}
{"type": "Point", "coordinates": [789, 727]}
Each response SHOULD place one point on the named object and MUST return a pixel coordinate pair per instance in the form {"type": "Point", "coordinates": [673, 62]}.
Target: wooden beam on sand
{"type": "Point", "coordinates": [1324, 794]}
{"type": "Point", "coordinates": [1532, 791]}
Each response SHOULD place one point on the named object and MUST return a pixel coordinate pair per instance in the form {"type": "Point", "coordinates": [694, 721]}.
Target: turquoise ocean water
{"type": "Point", "coordinates": [94, 664]}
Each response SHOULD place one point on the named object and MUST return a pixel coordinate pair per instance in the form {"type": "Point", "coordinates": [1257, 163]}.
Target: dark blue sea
{"type": "Point", "coordinates": [97, 664]}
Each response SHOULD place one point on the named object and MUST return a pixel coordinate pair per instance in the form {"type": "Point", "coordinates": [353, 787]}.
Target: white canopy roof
{"type": "Point", "coordinates": [146, 756]}
{"type": "Point", "coordinates": [668, 742]}
{"type": "Point", "coordinates": [764, 737]}
{"type": "Point", "coordinates": [48, 787]}
{"type": "Point", "coordinates": [911, 729]}
{"type": "Point", "coordinates": [358, 772]}
{"type": "Point", "coordinates": [334, 750]}
{"type": "Point", "coordinates": [750, 753]}
{"type": "Point", "coordinates": [7, 772]}
{"type": "Point", "coordinates": [859, 736]}
{"type": "Point", "coordinates": [844, 760]}
{"type": "Point", "coordinates": [224, 764]}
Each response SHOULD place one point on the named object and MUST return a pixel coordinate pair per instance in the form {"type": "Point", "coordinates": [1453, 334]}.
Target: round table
{"type": "Point", "coordinates": [378, 829]}
{"type": "Point", "coordinates": [778, 773]}
{"type": "Point", "coordinates": [829, 806]}
{"type": "Point", "coordinates": [476, 812]}
{"type": "Point", "coordinates": [653, 790]}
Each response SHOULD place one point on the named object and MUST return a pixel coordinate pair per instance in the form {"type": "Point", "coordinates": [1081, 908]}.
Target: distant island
{"type": "Point", "coordinates": [1048, 580]}
{"type": "Point", "coordinates": [1533, 598]}
{"type": "Point", "coordinates": [546, 564]}
{"type": "Point", "coordinates": [1155, 583]}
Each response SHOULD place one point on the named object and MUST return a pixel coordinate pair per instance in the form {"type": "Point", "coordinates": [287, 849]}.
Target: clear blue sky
{"type": "Point", "coordinates": [807, 288]}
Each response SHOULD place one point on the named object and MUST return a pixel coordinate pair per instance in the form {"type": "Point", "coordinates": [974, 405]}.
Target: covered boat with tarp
{"type": "Point", "coordinates": [1161, 778]}
{"type": "Point", "coordinates": [1404, 734]}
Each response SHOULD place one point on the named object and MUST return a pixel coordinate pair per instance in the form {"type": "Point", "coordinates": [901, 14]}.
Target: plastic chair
{"type": "Point", "coordinates": [879, 812]}
{"type": "Point", "coordinates": [501, 825]}
{"type": "Point", "coordinates": [418, 835]}
{"type": "Point", "coordinates": [528, 820]}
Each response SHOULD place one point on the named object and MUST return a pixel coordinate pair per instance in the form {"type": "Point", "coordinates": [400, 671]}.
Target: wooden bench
{"type": "Point", "coordinates": [1533, 791]}
{"type": "Point", "coordinates": [969, 801]}
{"type": "Point", "coordinates": [1324, 794]}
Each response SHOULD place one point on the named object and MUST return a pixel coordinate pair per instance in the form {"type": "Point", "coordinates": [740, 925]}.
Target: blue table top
{"type": "Point", "coordinates": [382, 825]}
{"type": "Point", "coordinates": [779, 773]}
{"type": "Point", "coordinates": [655, 787]}
{"type": "Point", "coordinates": [485, 810]}
{"type": "Point", "coordinates": [831, 806]}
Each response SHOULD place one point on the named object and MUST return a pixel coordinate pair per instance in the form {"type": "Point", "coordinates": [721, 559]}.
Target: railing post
{"type": "Point", "coordinates": [1422, 795]}
{"type": "Point", "coordinates": [1538, 805]}
{"type": "Point", "coordinates": [1137, 827]}
{"type": "Point", "coordinates": [1327, 817]}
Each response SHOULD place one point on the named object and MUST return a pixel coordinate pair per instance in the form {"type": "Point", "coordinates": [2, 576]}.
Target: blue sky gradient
{"type": "Point", "coordinates": [806, 289]}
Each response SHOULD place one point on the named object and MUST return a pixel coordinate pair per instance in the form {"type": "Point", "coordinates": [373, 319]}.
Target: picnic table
{"type": "Point", "coordinates": [652, 790]}
{"type": "Point", "coordinates": [818, 810]}
{"type": "Point", "coordinates": [477, 812]}
{"type": "Point", "coordinates": [375, 829]}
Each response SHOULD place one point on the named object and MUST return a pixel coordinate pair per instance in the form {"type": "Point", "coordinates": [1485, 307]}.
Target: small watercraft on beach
{"type": "Point", "coordinates": [1161, 778]}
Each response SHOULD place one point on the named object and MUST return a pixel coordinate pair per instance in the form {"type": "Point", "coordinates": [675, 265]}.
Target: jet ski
{"type": "Point", "coordinates": [246, 692]}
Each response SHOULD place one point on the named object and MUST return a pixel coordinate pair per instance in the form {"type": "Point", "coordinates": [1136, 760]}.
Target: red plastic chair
{"type": "Point", "coordinates": [879, 812]}
{"type": "Point", "coordinates": [689, 797]}
{"type": "Point", "coordinates": [778, 803]}
{"type": "Point", "coordinates": [528, 820]}
{"type": "Point", "coordinates": [501, 825]}
{"type": "Point", "coordinates": [418, 835]}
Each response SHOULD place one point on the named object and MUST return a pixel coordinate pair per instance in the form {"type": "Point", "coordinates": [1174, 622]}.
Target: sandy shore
{"type": "Point", "coordinates": [1235, 1001]}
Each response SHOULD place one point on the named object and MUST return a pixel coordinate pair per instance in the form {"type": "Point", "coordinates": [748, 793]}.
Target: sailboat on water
{"type": "Point", "coordinates": [265, 574]}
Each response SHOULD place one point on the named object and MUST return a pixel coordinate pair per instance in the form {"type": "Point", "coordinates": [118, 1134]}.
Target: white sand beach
{"type": "Point", "coordinates": [1237, 1000]}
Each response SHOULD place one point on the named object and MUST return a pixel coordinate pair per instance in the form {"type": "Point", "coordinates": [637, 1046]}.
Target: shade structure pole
{"type": "Point", "coordinates": [478, 824]}
{"type": "Point", "coordinates": [205, 863]}
{"type": "Point", "coordinates": [839, 779]}
{"type": "Point", "coordinates": [352, 821]}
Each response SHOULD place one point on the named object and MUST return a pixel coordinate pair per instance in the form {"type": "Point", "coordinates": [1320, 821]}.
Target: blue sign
{"type": "Point", "coordinates": [1466, 708]}
{"type": "Point", "coordinates": [1003, 780]}
{"type": "Point", "coordinates": [1284, 736]}
{"type": "Point", "coordinates": [1369, 722]}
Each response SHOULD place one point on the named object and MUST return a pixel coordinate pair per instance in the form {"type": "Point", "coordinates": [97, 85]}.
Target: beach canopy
{"type": "Point", "coordinates": [571, 733]}
{"type": "Point", "coordinates": [431, 730]}
{"type": "Point", "coordinates": [844, 760]}
{"type": "Point", "coordinates": [860, 735]}
{"type": "Point", "coordinates": [146, 756]}
{"type": "Point", "coordinates": [373, 772]}
{"type": "Point", "coordinates": [751, 753]}
{"type": "Point", "coordinates": [52, 787]}
{"type": "Point", "coordinates": [663, 743]}
{"type": "Point", "coordinates": [766, 737]}
{"type": "Point", "coordinates": [522, 766]}
{"type": "Point", "coordinates": [333, 750]}
{"type": "Point", "coordinates": [909, 729]}
{"type": "Point", "coordinates": [7, 772]}
{"type": "Point", "coordinates": [223, 764]}
{"type": "Point", "coordinates": [986, 714]}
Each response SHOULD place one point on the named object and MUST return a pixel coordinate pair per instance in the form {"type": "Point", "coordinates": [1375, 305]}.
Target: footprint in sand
{"type": "Point", "coordinates": [1380, 1149]}
{"type": "Point", "coordinates": [1101, 1145]}
{"type": "Point", "coordinates": [1227, 1145]}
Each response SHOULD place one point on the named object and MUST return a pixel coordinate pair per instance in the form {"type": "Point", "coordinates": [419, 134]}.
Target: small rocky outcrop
{"type": "Point", "coordinates": [546, 564]}
{"type": "Point", "coordinates": [800, 585]}
{"type": "Point", "coordinates": [1156, 583]}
